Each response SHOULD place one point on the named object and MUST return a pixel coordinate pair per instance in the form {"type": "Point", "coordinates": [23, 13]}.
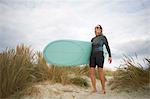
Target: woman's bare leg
{"type": "Point", "coordinates": [102, 78]}
{"type": "Point", "coordinates": [93, 79]}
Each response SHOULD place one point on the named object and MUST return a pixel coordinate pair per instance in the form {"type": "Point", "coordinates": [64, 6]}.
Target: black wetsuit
{"type": "Point", "coordinates": [97, 57]}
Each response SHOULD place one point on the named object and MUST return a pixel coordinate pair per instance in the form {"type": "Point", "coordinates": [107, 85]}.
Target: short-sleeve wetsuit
{"type": "Point", "coordinates": [97, 57]}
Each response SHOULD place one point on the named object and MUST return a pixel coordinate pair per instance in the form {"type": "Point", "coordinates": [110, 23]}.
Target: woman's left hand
{"type": "Point", "coordinates": [109, 60]}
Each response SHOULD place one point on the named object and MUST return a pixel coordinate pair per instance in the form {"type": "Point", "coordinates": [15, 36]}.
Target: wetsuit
{"type": "Point", "coordinates": [97, 57]}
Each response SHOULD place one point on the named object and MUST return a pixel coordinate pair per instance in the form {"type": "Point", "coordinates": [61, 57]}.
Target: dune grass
{"type": "Point", "coordinates": [20, 68]}
{"type": "Point", "coordinates": [131, 75]}
{"type": "Point", "coordinates": [85, 71]}
{"type": "Point", "coordinates": [79, 81]}
{"type": "Point", "coordinates": [15, 69]}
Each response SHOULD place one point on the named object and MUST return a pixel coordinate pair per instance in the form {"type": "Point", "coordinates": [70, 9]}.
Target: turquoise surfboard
{"type": "Point", "coordinates": [68, 52]}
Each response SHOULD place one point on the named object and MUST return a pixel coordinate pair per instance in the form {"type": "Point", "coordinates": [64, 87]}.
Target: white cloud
{"type": "Point", "coordinates": [41, 21]}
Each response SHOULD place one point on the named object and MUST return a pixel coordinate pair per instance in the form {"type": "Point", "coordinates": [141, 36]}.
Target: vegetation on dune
{"type": "Point", "coordinates": [21, 67]}
{"type": "Point", "coordinates": [131, 75]}
{"type": "Point", "coordinates": [85, 71]}
{"type": "Point", "coordinates": [16, 70]}
{"type": "Point", "coordinates": [79, 81]}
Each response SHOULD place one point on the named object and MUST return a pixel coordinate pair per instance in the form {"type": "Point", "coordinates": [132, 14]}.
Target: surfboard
{"type": "Point", "coordinates": [67, 52]}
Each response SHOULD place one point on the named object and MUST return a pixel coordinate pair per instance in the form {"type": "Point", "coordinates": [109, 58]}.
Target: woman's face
{"type": "Point", "coordinates": [98, 31]}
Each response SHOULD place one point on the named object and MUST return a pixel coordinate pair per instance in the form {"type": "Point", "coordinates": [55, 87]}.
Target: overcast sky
{"type": "Point", "coordinates": [38, 22]}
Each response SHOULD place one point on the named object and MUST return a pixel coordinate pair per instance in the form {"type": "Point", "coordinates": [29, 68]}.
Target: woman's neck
{"type": "Point", "coordinates": [99, 34]}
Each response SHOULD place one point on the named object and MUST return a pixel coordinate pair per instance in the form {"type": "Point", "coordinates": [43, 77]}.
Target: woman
{"type": "Point", "coordinates": [97, 57]}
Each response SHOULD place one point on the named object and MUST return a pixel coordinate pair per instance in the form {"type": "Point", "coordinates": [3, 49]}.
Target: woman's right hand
{"type": "Point", "coordinates": [109, 60]}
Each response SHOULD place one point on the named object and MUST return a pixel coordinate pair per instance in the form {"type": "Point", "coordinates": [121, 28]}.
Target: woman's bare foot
{"type": "Point", "coordinates": [103, 92]}
{"type": "Point", "coordinates": [94, 91]}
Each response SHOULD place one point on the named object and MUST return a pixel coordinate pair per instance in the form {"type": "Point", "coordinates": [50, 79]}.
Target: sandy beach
{"type": "Point", "coordinates": [47, 90]}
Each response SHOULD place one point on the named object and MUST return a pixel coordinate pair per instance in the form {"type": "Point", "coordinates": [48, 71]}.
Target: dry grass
{"type": "Point", "coordinates": [20, 68]}
{"type": "Point", "coordinates": [29, 91]}
{"type": "Point", "coordinates": [79, 81]}
{"type": "Point", "coordinates": [15, 69]}
{"type": "Point", "coordinates": [131, 75]}
{"type": "Point", "coordinates": [85, 71]}
{"type": "Point", "coordinates": [62, 75]}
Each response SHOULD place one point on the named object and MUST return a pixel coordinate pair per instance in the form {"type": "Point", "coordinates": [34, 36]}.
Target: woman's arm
{"type": "Point", "coordinates": [107, 46]}
{"type": "Point", "coordinates": [92, 40]}
{"type": "Point", "coordinates": [108, 49]}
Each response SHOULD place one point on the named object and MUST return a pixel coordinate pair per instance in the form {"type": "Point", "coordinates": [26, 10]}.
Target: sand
{"type": "Point", "coordinates": [49, 90]}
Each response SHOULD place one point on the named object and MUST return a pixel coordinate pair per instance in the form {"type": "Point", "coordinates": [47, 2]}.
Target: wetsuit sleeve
{"type": "Point", "coordinates": [107, 46]}
{"type": "Point", "coordinates": [92, 40]}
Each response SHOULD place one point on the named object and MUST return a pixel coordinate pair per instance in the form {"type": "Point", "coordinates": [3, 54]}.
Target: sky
{"type": "Point", "coordinates": [36, 23]}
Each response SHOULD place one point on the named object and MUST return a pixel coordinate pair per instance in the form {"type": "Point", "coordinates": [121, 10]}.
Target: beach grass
{"type": "Point", "coordinates": [131, 75]}
{"type": "Point", "coordinates": [16, 70]}
{"type": "Point", "coordinates": [79, 81]}
{"type": "Point", "coordinates": [85, 71]}
{"type": "Point", "coordinates": [22, 67]}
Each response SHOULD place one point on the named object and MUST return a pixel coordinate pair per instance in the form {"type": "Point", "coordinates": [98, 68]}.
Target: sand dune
{"type": "Point", "coordinates": [48, 90]}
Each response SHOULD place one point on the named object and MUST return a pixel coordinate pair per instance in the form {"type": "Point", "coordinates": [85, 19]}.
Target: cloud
{"type": "Point", "coordinates": [38, 22]}
{"type": "Point", "coordinates": [10, 37]}
{"type": "Point", "coordinates": [139, 46]}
